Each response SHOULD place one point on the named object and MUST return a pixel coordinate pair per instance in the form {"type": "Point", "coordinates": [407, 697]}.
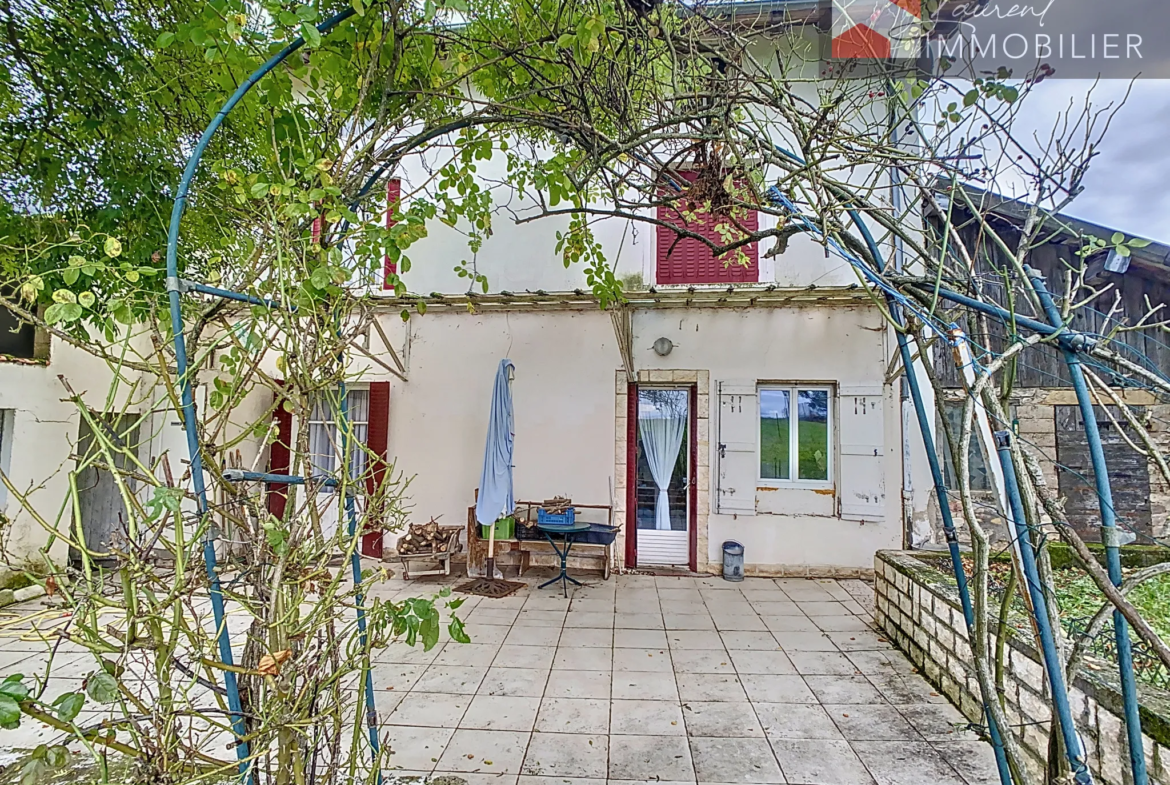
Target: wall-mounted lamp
{"type": "Point", "coordinates": [663, 347]}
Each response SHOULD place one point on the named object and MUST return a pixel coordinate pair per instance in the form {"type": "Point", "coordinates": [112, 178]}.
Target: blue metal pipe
{"type": "Point", "coordinates": [924, 425]}
{"type": "Point", "coordinates": [187, 398]}
{"type": "Point", "coordinates": [227, 294]}
{"type": "Point", "coordinates": [359, 597]}
{"type": "Point", "coordinates": [235, 475]}
{"type": "Point", "coordinates": [1052, 665]}
{"type": "Point", "coordinates": [1109, 532]}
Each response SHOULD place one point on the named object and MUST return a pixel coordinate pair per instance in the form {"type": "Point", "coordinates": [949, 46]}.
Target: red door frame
{"type": "Point", "coordinates": [632, 477]}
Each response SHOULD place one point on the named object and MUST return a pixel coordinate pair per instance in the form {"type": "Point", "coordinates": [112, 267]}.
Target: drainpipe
{"type": "Point", "coordinates": [1110, 534]}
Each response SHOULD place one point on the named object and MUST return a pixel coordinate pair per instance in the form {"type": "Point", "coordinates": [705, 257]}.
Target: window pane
{"type": "Point", "coordinates": [812, 407]}
{"type": "Point", "coordinates": [980, 477]}
{"type": "Point", "coordinates": [774, 429]}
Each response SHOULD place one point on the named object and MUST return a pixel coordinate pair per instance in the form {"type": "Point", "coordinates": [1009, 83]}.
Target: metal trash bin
{"type": "Point", "coordinates": [732, 561]}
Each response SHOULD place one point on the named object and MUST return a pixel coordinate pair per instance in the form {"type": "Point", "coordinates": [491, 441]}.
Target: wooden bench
{"type": "Point", "coordinates": [477, 546]}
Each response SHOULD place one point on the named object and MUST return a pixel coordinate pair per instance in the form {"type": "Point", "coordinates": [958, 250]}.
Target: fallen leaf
{"type": "Point", "coordinates": [270, 663]}
{"type": "Point", "coordinates": [487, 763]}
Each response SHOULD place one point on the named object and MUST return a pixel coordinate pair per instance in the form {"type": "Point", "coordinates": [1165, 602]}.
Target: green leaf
{"type": "Point", "coordinates": [320, 277]}
{"type": "Point", "coordinates": [102, 687]}
{"type": "Point", "coordinates": [311, 35]}
{"type": "Point", "coordinates": [258, 190]}
{"type": "Point", "coordinates": [9, 713]}
{"type": "Point", "coordinates": [428, 630]}
{"type": "Point", "coordinates": [113, 247]}
{"type": "Point", "coordinates": [566, 41]}
{"type": "Point", "coordinates": [70, 275]}
{"type": "Point", "coordinates": [57, 756]}
{"type": "Point", "coordinates": [13, 686]}
{"type": "Point", "coordinates": [68, 705]}
{"type": "Point", "coordinates": [358, 7]}
{"type": "Point", "coordinates": [1117, 237]}
{"type": "Point", "coordinates": [405, 315]}
{"type": "Point", "coordinates": [132, 276]}
{"type": "Point", "coordinates": [1138, 242]}
{"type": "Point", "coordinates": [86, 299]}
{"type": "Point", "coordinates": [1122, 250]}
{"type": "Point", "coordinates": [971, 98]}
{"type": "Point", "coordinates": [164, 40]}
{"type": "Point", "coordinates": [456, 631]}
{"type": "Point", "coordinates": [64, 296]}
{"type": "Point", "coordinates": [421, 307]}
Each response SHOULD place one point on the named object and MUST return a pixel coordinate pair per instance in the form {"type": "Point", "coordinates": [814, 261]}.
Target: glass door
{"type": "Point", "coordinates": [663, 476]}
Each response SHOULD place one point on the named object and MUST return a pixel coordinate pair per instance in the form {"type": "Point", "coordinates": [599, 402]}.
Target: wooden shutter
{"type": "Point", "coordinates": [739, 429]}
{"type": "Point", "coordinates": [862, 465]}
{"type": "Point", "coordinates": [687, 260]}
{"type": "Point", "coordinates": [393, 197]}
{"type": "Point", "coordinates": [378, 441]}
{"type": "Point", "coordinates": [280, 456]}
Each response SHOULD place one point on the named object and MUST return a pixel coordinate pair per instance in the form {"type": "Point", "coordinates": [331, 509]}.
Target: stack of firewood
{"type": "Point", "coordinates": [556, 505]}
{"type": "Point", "coordinates": [424, 538]}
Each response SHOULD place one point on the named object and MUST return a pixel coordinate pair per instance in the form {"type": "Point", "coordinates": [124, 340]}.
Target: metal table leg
{"type": "Point", "coordinates": [564, 577]}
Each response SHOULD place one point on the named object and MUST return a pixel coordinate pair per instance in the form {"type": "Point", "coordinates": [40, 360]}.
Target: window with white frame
{"type": "Point", "coordinates": [325, 442]}
{"type": "Point", "coordinates": [796, 435]}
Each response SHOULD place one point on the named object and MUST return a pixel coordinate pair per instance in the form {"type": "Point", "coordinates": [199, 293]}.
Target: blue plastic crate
{"type": "Point", "coordinates": [566, 518]}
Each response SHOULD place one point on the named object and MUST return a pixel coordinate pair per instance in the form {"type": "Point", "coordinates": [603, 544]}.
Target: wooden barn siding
{"type": "Point", "coordinates": [1044, 366]}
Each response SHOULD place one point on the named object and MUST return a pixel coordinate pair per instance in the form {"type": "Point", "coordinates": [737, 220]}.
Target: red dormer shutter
{"type": "Point", "coordinates": [687, 260]}
{"type": "Point", "coordinates": [393, 197]}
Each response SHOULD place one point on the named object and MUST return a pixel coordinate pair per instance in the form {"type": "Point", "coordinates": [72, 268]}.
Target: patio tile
{"type": "Point", "coordinates": [703, 661]}
{"type": "Point", "coordinates": [416, 749]}
{"type": "Point", "coordinates": [937, 721]}
{"type": "Point", "coordinates": [488, 751]}
{"type": "Point", "coordinates": [583, 659]}
{"type": "Point", "coordinates": [641, 685]}
{"type": "Point", "coordinates": [587, 637]}
{"type": "Point", "coordinates": [589, 619]}
{"type": "Point", "coordinates": [573, 715]}
{"type": "Point", "coordinates": [487, 633]}
{"type": "Point", "coordinates": [792, 623]}
{"type": "Point", "coordinates": [822, 663]}
{"type": "Point", "coordinates": [767, 662]}
{"type": "Point", "coordinates": [429, 710]}
{"type": "Point", "coordinates": [641, 597]}
{"type": "Point", "coordinates": [467, 654]}
{"type": "Point", "coordinates": [906, 689]}
{"type": "Point", "coordinates": [567, 755]}
{"type": "Point", "coordinates": [578, 684]}
{"type": "Point", "coordinates": [530, 780]}
{"type": "Point", "coordinates": [534, 636]}
{"type": "Point", "coordinates": [973, 760]}
{"type": "Point", "coordinates": [499, 712]}
{"type": "Point", "coordinates": [475, 778]}
{"type": "Point", "coordinates": [597, 605]}
{"type": "Point", "coordinates": [688, 621]}
{"type": "Point", "coordinates": [804, 641]}
{"type": "Point", "coordinates": [843, 689]}
{"type": "Point", "coordinates": [748, 622]}
{"type": "Point", "coordinates": [762, 587]}
{"type": "Point", "coordinates": [639, 639]}
{"type": "Point", "coordinates": [668, 596]}
{"type": "Point", "coordinates": [456, 679]}
{"type": "Point", "coordinates": [710, 687]}
{"type": "Point", "coordinates": [676, 582]}
{"type": "Point", "coordinates": [393, 676]}
{"type": "Point", "coordinates": [695, 639]}
{"type": "Point", "coordinates": [820, 762]}
{"type": "Point", "coordinates": [905, 763]}
{"type": "Point", "coordinates": [760, 641]}
{"type": "Point", "coordinates": [514, 682]}
{"type": "Point", "coordinates": [385, 702]}
{"type": "Point", "coordinates": [646, 718]}
{"type": "Point", "coordinates": [780, 607]}
{"type": "Point", "coordinates": [855, 607]}
{"type": "Point", "coordinates": [796, 721]}
{"type": "Point", "coordinates": [721, 720]}
{"type": "Point", "coordinates": [402, 654]}
{"type": "Point", "coordinates": [656, 660]}
{"type": "Point", "coordinates": [515, 656]}
{"type": "Point", "coordinates": [804, 590]}
{"type": "Point", "coordinates": [829, 608]}
{"type": "Point", "coordinates": [880, 662]}
{"type": "Point", "coordinates": [767, 688]}
{"type": "Point", "coordinates": [493, 615]}
{"type": "Point", "coordinates": [871, 722]}
{"type": "Point", "coordinates": [650, 758]}
{"type": "Point", "coordinates": [546, 602]}
{"type": "Point", "coordinates": [638, 621]}
{"type": "Point", "coordinates": [848, 623]}
{"type": "Point", "coordinates": [859, 640]}
{"type": "Point", "coordinates": [735, 760]}
{"type": "Point", "coordinates": [540, 618]}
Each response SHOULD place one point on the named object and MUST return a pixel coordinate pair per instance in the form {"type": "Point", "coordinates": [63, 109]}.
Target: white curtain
{"type": "Point", "coordinates": [661, 429]}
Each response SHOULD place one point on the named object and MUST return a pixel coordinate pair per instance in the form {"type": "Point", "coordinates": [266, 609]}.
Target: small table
{"type": "Point", "coordinates": [567, 533]}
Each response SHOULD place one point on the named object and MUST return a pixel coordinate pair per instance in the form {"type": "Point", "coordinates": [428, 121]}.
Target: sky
{"type": "Point", "coordinates": [1128, 184]}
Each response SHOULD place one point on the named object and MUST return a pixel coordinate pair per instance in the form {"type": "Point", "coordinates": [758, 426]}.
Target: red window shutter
{"type": "Point", "coordinates": [378, 442]}
{"type": "Point", "coordinates": [393, 197]}
{"type": "Point", "coordinates": [280, 457]}
{"type": "Point", "coordinates": [688, 260]}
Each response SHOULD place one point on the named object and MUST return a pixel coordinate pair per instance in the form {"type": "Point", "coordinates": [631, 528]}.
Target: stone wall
{"type": "Point", "coordinates": [918, 608]}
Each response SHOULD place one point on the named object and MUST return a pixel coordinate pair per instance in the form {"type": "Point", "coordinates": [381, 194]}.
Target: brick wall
{"type": "Point", "coordinates": [918, 608]}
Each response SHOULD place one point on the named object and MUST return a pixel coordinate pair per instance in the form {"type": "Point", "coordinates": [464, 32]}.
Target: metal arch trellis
{"type": "Point", "coordinates": [1069, 341]}
{"type": "Point", "coordinates": [175, 288]}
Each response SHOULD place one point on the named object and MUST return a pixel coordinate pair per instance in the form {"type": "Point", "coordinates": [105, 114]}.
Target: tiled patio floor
{"type": "Point", "coordinates": [673, 680]}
